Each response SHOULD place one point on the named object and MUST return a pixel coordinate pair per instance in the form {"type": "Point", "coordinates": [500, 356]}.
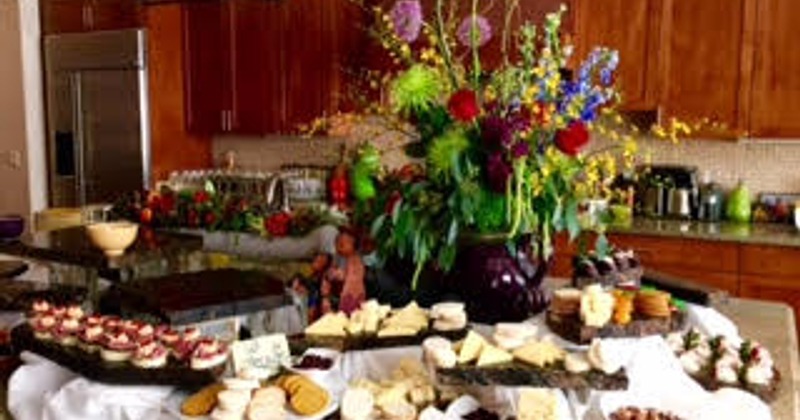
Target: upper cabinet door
{"type": "Point", "coordinates": [250, 53]}
{"type": "Point", "coordinates": [307, 60]}
{"type": "Point", "coordinates": [705, 62]}
{"type": "Point", "coordinates": [776, 75]}
{"type": "Point", "coordinates": [114, 14]}
{"type": "Point", "coordinates": [62, 16]}
{"type": "Point", "coordinates": [632, 28]}
{"type": "Point", "coordinates": [206, 58]}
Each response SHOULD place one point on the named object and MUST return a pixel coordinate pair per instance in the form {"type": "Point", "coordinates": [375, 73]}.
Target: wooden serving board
{"type": "Point", "coordinates": [300, 343]}
{"type": "Point", "coordinates": [521, 374]}
{"type": "Point", "coordinates": [93, 367]}
{"type": "Point", "coordinates": [572, 328]}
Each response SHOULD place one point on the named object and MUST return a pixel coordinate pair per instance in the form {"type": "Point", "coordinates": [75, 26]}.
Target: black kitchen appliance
{"type": "Point", "coordinates": [668, 191]}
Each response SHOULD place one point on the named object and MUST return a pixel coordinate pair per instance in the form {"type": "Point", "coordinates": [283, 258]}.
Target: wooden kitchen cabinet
{"type": "Point", "coordinates": [205, 54]}
{"type": "Point", "coordinates": [64, 16]}
{"type": "Point", "coordinates": [776, 70]}
{"type": "Point", "coordinates": [259, 67]}
{"type": "Point", "coordinates": [632, 28]}
{"type": "Point", "coordinates": [704, 62]}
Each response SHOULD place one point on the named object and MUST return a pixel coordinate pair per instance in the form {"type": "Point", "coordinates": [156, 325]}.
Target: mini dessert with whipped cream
{"type": "Point", "coordinates": [44, 326]}
{"type": "Point", "coordinates": [191, 334]}
{"type": "Point", "coordinates": [40, 307]}
{"type": "Point", "coordinates": [167, 335]}
{"type": "Point", "coordinates": [152, 355]}
{"type": "Point", "coordinates": [111, 322]}
{"type": "Point", "coordinates": [90, 337]}
{"type": "Point", "coordinates": [117, 347]}
{"type": "Point", "coordinates": [58, 311]}
{"type": "Point", "coordinates": [182, 350]}
{"type": "Point", "coordinates": [93, 320]}
{"type": "Point", "coordinates": [66, 331]}
{"type": "Point", "coordinates": [209, 353]}
{"type": "Point", "coordinates": [719, 362]}
{"type": "Point", "coordinates": [74, 312]}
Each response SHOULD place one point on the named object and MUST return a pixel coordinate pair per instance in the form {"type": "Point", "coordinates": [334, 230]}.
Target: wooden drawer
{"type": "Point", "coordinates": [767, 261]}
{"type": "Point", "coordinates": [718, 257]}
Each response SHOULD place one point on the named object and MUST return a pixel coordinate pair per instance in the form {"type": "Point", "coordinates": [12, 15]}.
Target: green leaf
{"type": "Point", "coordinates": [601, 246]}
{"type": "Point", "coordinates": [452, 233]}
{"type": "Point", "coordinates": [447, 257]}
{"type": "Point", "coordinates": [377, 224]}
{"type": "Point", "coordinates": [571, 217]}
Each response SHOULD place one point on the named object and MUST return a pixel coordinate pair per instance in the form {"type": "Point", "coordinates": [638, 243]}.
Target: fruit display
{"type": "Point", "coordinates": [115, 350]}
{"type": "Point", "coordinates": [636, 413]}
{"type": "Point", "coordinates": [313, 361]}
{"type": "Point", "coordinates": [375, 325]}
{"type": "Point", "coordinates": [619, 269]}
{"type": "Point", "coordinates": [582, 315]}
{"type": "Point", "coordinates": [513, 357]}
{"type": "Point", "coordinates": [738, 205]}
{"type": "Point", "coordinates": [717, 362]}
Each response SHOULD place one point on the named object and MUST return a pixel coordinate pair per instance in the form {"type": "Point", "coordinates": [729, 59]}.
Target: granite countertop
{"type": "Point", "coordinates": [773, 325]}
{"type": "Point", "coordinates": [754, 234]}
{"type": "Point", "coordinates": [72, 246]}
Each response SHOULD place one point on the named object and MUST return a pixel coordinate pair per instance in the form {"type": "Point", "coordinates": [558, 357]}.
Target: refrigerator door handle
{"type": "Point", "coordinates": [78, 143]}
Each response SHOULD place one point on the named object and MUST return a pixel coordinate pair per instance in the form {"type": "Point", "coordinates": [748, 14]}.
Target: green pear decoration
{"type": "Point", "coordinates": [738, 207]}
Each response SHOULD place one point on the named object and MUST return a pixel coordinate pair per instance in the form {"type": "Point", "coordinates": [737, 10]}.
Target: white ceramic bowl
{"type": "Point", "coordinates": [112, 237]}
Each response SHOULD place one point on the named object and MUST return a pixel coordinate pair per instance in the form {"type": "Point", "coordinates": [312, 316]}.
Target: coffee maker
{"type": "Point", "coordinates": [668, 191]}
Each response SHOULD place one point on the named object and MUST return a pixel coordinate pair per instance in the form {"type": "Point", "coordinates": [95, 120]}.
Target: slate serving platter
{"type": "Point", "coordinates": [572, 328]}
{"type": "Point", "coordinates": [93, 367]}
{"type": "Point", "coordinates": [521, 374]}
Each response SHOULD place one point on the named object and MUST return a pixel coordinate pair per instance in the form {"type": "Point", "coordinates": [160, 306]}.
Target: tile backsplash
{"type": "Point", "coordinates": [764, 165]}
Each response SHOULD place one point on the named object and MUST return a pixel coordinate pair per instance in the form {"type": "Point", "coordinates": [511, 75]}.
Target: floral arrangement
{"type": "Point", "coordinates": [501, 150]}
{"type": "Point", "coordinates": [207, 209]}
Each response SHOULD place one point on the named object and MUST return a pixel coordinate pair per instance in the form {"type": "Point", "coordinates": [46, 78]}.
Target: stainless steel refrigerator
{"type": "Point", "coordinates": [97, 116]}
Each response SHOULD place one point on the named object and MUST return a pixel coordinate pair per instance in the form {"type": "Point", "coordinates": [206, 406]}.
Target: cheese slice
{"type": "Point", "coordinates": [537, 404]}
{"type": "Point", "coordinates": [398, 331]}
{"type": "Point", "coordinates": [329, 325]}
{"type": "Point", "coordinates": [539, 353]}
{"type": "Point", "coordinates": [491, 355]}
{"type": "Point", "coordinates": [471, 348]}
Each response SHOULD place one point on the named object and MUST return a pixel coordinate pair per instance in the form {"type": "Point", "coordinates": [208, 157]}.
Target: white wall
{"type": "Point", "coordinates": [23, 187]}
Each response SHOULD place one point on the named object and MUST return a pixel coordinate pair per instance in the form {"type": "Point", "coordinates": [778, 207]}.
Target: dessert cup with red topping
{"type": "Point", "coordinates": [117, 347]}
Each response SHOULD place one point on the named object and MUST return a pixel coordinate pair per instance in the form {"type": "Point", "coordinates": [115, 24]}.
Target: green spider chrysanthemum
{"type": "Point", "coordinates": [416, 89]}
{"type": "Point", "coordinates": [445, 151]}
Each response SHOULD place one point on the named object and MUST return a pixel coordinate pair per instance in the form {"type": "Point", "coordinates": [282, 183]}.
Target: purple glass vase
{"type": "Point", "coordinates": [499, 283]}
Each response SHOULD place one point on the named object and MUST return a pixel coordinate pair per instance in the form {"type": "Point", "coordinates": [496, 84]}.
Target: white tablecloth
{"type": "Point", "coordinates": [42, 390]}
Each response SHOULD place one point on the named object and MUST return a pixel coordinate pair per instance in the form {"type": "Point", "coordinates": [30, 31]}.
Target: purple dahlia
{"type": "Point", "coordinates": [481, 25]}
{"type": "Point", "coordinates": [406, 17]}
{"type": "Point", "coordinates": [498, 172]}
{"type": "Point", "coordinates": [496, 132]}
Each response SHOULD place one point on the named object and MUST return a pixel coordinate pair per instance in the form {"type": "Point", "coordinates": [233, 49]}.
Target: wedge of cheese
{"type": "Point", "coordinates": [332, 325]}
{"type": "Point", "coordinates": [471, 349]}
{"type": "Point", "coordinates": [491, 355]}
{"type": "Point", "coordinates": [539, 353]}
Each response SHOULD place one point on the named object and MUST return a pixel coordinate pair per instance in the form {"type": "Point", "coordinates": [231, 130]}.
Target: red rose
{"type": "Point", "coordinates": [572, 139]}
{"type": "Point", "coordinates": [201, 197]}
{"type": "Point", "coordinates": [209, 219]}
{"type": "Point", "coordinates": [463, 105]}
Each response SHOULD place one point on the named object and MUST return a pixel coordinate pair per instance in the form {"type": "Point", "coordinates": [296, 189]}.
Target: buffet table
{"type": "Point", "coordinates": [772, 324]}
